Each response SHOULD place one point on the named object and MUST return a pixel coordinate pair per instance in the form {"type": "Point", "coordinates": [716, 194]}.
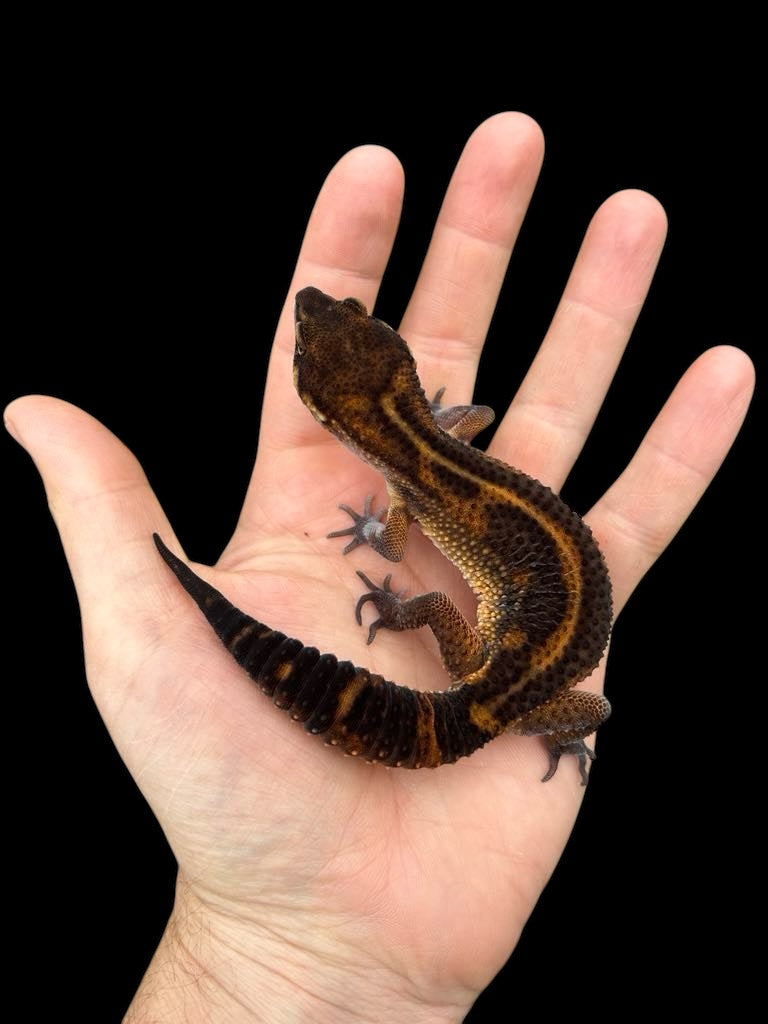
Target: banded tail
{"type": "Point", "coordinates": [356, 710]}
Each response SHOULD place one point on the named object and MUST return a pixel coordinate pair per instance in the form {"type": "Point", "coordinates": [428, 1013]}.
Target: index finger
{"type": "Point", "coordinates": [345, 250]}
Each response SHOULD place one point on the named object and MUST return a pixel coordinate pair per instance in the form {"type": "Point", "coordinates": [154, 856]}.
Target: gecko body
{"type": "Point", "coordinates": [543, 591]}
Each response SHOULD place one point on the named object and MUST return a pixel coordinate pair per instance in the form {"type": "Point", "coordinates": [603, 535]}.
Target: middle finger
{"type": "Point", "coordinates": [448, 316]}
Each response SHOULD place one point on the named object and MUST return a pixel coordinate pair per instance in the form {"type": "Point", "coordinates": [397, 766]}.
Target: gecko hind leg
{"type": "Point", "coordinates": [461, 648]}
{"type": "Point", "coordinates": [564, 722]}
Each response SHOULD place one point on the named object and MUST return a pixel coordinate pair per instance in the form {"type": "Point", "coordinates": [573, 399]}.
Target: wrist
{"type": "Point", "coordinates": [211, 968]}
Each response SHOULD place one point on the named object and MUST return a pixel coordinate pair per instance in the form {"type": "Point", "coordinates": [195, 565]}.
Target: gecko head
{"type": "Point", "coordinates": [345, 362]}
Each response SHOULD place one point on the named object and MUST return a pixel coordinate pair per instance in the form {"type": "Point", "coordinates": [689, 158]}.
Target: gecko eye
{"type": "Point", "coordinates": [356, 304]}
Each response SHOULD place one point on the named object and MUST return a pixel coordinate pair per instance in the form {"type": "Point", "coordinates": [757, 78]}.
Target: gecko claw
{"type": "Point", "coordinates": [576, 747]}
{"type": "Point", "coordinates": [386, 601]}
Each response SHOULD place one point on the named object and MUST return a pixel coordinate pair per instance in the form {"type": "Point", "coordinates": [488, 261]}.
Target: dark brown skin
{"type": "Point", "coordinates": [544, 597]}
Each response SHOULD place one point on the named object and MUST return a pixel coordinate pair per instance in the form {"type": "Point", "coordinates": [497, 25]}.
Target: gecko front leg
{"type": "Point", "coordinates": [463, 422]}
{"type": "Point", "coordinates": [388, 538]}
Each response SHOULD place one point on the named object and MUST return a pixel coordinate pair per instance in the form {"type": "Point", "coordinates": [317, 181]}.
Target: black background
{"type": "Point", "coordinates": [158, 211]}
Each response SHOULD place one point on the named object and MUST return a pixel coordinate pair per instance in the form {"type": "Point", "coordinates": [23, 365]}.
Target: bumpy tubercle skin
{"type": "Point", "coordinates": [543, 592]}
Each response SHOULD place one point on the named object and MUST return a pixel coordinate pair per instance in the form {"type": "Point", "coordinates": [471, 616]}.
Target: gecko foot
{"type": "Point", "coordinates": [578, 748]}
{"type": "Point", "coordinates": [365, 526]}
{"type": "Point", "coordinates": [462, 421]}
{"type": "Point", "coordinates": [387, 604]}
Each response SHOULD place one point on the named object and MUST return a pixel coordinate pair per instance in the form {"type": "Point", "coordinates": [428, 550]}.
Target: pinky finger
{"type": "Point", "coordinates": [642, 511]}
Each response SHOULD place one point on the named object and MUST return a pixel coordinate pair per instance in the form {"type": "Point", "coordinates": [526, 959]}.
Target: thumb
{"type": "Point", "coordinates": [105, 512]}
{"type": "Point", "coordinates": [97, 492]}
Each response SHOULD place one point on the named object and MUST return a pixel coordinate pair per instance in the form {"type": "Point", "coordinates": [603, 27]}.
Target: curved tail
{"type": "Point", "coordinates": [356, 710]}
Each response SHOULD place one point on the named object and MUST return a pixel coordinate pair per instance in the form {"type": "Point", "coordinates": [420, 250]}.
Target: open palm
{"type": "Point", "coordinates": [307, 879]}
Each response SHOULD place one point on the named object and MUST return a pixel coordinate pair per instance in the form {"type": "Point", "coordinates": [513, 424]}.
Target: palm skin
{"type": "Point", "coordinates": [306, 879]}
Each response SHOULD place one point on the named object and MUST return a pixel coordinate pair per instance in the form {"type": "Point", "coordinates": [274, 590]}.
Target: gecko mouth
{"type": "Point", "coordinates": [320, 416]}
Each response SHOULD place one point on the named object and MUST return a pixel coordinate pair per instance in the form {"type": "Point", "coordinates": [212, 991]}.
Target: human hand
{"type": "Point", "coordinates": [306, 878]}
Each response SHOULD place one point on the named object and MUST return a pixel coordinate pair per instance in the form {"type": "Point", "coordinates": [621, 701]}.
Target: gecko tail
{"type": "Point", "coordinates": [351, 708]}
{"type": "Point", "coordinates": [249, 641]}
